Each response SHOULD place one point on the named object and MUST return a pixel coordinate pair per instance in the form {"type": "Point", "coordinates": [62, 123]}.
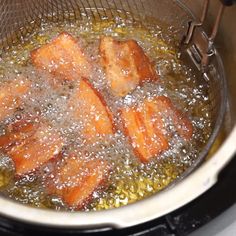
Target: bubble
{"type": "Point", "coordinates": [128, 179]}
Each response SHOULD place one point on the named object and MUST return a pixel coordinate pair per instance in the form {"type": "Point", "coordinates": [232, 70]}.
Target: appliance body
{"type": "Point", "coordinates": [186, 190]}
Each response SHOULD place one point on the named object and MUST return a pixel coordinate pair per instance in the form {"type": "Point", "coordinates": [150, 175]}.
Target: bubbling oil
{"type": "Point", "coordinates": [129, 180]}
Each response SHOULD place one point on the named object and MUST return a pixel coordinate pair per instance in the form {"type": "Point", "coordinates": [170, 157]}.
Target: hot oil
{"type": "Point", "coordinates": [129, 180]}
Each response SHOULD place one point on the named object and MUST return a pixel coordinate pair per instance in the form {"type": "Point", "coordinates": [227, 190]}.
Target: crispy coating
{"type": "Point", "coordinates": [30, 145]}
{"type": "Point", "coordinates": [10, 96]}
{"type": "Point", "coordinates": [76, 179]}
{"type": "Point", "coordinates": [90, 108]}
{"type": "Point", "coordinates": [125, 64]}
{"type": "Point", "coordinates": [63, 57]}
{"type": "Point", "coordinates": [145, 126]}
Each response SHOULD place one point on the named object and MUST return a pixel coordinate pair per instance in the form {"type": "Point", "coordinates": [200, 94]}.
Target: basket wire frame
{"type": "Point", "coordinates": [20, 17]}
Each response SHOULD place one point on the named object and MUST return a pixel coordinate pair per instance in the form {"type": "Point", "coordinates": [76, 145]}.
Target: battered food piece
{"type": "Point", "coordinates": [90, 108]}
{"type": "Point", "coordinates": [149, 125]}
{"type": "Point", "coordinates": [17, 132]}
{"type": "Point", "coordinates": [10, 96]}
{"type": "Point", "coordinates": [62, 57]}
{"type": "Point", "coordinates": [75, 180]}
{"type": "Point", "coordinates": [145, 125]}
{"type": "Point", "coordinates": [30, 145]}
{"type": "Point", "coordinates": [125, 64]}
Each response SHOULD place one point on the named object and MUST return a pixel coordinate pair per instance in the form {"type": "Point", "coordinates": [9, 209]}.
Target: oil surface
{"type": "Point", "coordinates": [129, 180]}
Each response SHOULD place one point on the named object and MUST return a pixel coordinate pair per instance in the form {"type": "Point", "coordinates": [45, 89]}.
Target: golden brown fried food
{"type": "Point", "coordinates": [62, 57]}
{"type": "Point", "coordinates": [91, 110]}
{"type": "Point", "coordinates": [10, 96]}
{"type": "Point", "coordinates": [125, 64]}
{"type": "Point", "coordinates": [30, 145]}
{"type": "Point", "coordinates": [145, 126]}
{"type": "Point", "coordinates": [17, 132]}
{"type": "Point", "coordinates": [76, 179]}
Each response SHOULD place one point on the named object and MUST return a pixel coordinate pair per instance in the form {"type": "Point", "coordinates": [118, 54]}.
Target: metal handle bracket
{"type": "Point", "coordinates": [198, 44]}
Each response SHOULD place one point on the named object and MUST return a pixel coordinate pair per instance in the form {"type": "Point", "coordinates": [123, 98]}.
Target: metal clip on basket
{"type": "Point", "coordinates": [199, 45]}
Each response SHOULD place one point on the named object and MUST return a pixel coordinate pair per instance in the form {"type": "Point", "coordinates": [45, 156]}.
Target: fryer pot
{"type": "Point", "coordinates": [185, 190]}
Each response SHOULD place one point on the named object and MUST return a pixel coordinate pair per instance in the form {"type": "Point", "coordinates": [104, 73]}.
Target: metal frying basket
{"type": "Point", "coordinates": [19, 18]}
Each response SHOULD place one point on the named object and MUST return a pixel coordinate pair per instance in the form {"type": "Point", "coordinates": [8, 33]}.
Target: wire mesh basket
{"type": "Point", "coordinates": [19, 18]}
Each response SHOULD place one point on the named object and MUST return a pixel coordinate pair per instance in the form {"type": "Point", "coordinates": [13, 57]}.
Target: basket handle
{"type": "Point", "coordinates": [200, 47]}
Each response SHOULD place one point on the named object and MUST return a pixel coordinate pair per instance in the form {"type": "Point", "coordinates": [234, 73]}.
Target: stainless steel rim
{"type": "Point", "coordinates": [153, 207]}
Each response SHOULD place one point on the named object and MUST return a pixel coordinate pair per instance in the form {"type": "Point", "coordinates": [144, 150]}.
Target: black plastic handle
{"type": "Point", "coordinates": [228, 2]}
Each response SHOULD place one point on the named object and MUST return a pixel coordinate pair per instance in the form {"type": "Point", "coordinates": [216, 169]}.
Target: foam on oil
{"type": "Point", "coordinates": [129, 180]}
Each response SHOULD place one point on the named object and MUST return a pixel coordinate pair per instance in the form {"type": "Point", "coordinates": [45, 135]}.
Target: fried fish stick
{"type": "Point", "coordinates": [145, 126]}
{"type": "Point", "coordinates": [63, 57]}
{"type": "Point", "coordinates": [76, 180]}
{"type": "Point", "coordinates": [30, 145]}
{"type": "Point", "coordinates": [89, 107]}
{"type": "Point", "coordinates": [10, 96]}
{"type": "Point", "coordinates": [146, 139]}
{"type": "Point", "coordinates": [17, 132]}
{"type": "Point", "coordinates": [182, 124]}
{"type": "Point", "coordinates": [125, 64]}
